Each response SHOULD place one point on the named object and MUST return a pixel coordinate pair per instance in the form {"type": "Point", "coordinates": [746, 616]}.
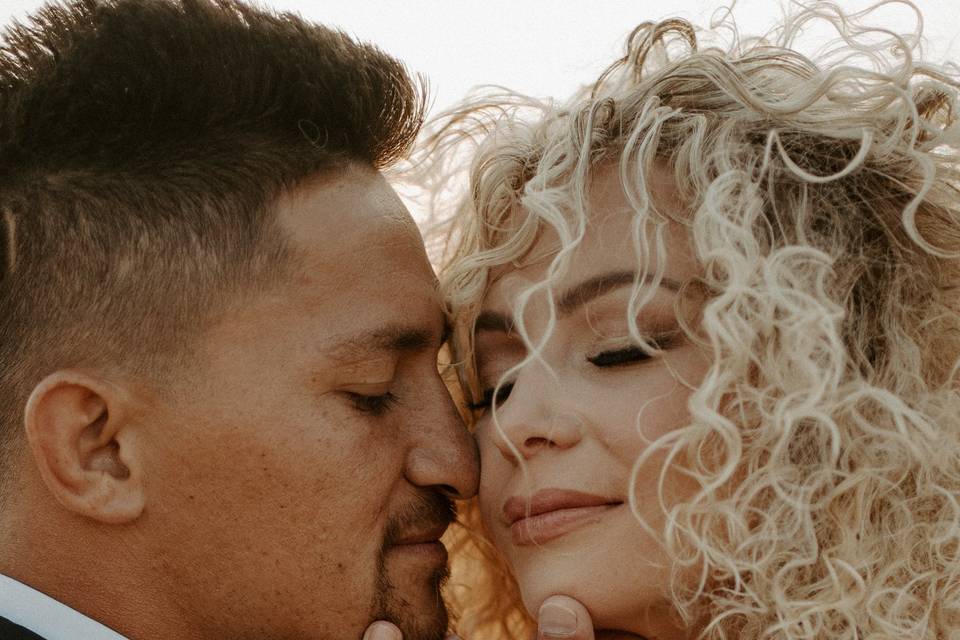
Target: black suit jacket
{"type": "Point", "coordinates": [10, 631]}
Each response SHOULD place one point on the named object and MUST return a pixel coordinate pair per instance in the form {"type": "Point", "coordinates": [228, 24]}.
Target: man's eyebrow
{"type": "Point", "coordinates": [390, 338]}
{"type": "Point", "coordinates": [574, 297]}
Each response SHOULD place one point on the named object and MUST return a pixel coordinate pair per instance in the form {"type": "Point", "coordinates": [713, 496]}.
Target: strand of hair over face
{"type": "Point", "coordinates": [822, 207]}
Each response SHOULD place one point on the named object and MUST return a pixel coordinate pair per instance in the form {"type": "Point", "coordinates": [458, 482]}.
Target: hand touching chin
{"type": "Point", "coordinates": [559, 617]}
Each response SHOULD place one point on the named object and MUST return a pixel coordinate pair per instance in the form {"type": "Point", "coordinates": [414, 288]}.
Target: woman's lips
{"type": "Point", "coordinates": [551, 513]}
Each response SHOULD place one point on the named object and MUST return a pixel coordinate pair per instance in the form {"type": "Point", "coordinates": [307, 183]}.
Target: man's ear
{"type": "Point", "coordinates": [79, 429]}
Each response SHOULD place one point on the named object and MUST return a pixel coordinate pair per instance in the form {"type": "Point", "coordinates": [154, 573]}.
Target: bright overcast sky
{"type": "Point", "coordinates": [542, 47]}
{"type": "Point", "coordinates": [538, 47]}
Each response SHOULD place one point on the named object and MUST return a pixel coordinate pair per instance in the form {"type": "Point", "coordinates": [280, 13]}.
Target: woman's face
{"type": "Point", "coordinates": [564, 524]}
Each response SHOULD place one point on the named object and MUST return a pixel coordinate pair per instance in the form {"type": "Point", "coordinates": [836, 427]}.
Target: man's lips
{"type": "Point", "coordinates": [422, 546]}
{"type": "Point", "coordinates": [551, 513]}
{"type": "Point", "coordinates": [423, 536]}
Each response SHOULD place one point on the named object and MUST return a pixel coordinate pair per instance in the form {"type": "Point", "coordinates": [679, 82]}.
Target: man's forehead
{"type": "Point", "coordinates": [353, 220]}
{"type": "Point", "coordinates": [344, 199]}
{"type": "Point", "coordinates": [361, 270]}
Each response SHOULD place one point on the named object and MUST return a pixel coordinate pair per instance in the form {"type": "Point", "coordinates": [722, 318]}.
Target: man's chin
{"type": "Point", "coordinates": [413, 567]}
{"type": "Point", "coordinates": [413, 602]}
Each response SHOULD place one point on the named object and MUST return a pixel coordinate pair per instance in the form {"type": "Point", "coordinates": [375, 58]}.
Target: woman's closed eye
{"type": "Point", "coordinates": [629, 355]}
{"type": "Point", "coordinates": [500, 393]}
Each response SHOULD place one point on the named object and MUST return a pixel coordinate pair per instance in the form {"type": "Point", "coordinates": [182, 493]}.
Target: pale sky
{"type": "Point", "coordinates": [544, 48]}
{"type": "Point", "coordinates": [538, 47]}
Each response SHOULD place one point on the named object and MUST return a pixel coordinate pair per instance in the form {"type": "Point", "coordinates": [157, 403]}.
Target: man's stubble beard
{"type": "Point", "coordinates": [389, 603]}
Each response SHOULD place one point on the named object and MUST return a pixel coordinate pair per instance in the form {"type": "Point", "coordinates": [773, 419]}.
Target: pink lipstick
{"type": "Point", "coordinates": [551, 513]}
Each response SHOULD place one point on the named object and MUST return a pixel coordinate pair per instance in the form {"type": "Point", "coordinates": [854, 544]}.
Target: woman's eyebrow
{"type": "Point", "coordinates": [580, 294]}
{"type": "Point", "coordinates": [574, 297]}
{"type": "Point", "coordinates": [493, 321]}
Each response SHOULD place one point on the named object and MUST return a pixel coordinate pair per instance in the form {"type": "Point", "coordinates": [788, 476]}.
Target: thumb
{"type": "Point", "coordinates": [382, 631]}
{"type": "Point", "coordinates": [563, 618]}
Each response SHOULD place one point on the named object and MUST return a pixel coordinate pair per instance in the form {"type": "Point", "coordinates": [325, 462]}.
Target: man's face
{"type": "Point", "coordinates": [297, 484]}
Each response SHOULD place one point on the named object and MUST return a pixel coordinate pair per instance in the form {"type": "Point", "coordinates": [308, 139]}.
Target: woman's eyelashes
{"type": "Point", "coordinates": [375, 405]}
{"type": "Point", "coordinates": [499, 394]}
{"type": "Point", "coordinates": [632, 354]}
{"type": "Point", "coordinates": [619, 357]}
{"type": "Point", "coordinates": [611, 358]}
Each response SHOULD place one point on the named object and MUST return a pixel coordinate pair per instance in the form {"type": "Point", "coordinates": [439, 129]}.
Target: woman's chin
{"type": "Point", "coordinates": [608, 608]}
{"type": "Point", "coordinates": [615, 601]}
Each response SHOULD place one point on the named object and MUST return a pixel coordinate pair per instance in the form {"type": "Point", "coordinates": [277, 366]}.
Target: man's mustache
{"type": "Point", "coordinates": [429, 510]}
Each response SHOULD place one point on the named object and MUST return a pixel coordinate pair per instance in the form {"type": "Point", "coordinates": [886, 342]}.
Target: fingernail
{"type": "Point", "coordinates": [556, 621]}
{"type": "Point", "coordinates": [382, 631]}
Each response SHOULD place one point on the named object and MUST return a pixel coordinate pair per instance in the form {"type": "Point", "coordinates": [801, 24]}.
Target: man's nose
{"type": "Point", "coordinates": [445, 454]}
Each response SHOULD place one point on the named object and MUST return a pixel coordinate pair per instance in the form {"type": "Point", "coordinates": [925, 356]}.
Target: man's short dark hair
{"type": "Point", "coordinates": [142, 143]}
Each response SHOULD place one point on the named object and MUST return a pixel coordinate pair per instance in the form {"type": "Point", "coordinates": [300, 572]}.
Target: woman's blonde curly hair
{"type": "Point", "coordinates": [824, 211]}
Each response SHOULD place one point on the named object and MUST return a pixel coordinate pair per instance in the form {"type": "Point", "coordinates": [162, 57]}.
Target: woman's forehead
{"type": "Point", "coordinates": [601, 258]}
{"type": "Point", "coordinates": [617, 238]}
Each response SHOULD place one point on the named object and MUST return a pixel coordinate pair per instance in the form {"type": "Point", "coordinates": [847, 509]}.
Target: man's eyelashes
{"type": "Point", "coordinates": [375, 405]}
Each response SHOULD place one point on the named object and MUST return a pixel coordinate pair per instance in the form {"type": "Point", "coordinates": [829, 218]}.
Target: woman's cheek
{"type": "Point", "coordinates": [494, 476]}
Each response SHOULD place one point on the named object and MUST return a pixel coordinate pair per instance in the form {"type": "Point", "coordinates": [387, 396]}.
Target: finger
{"type": "Point", "coordinates": [563, 618]}
{"type": "Point", "coordinates": [382, 631]}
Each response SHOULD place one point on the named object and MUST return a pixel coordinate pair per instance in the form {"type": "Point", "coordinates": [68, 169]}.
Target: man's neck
{"type": "Point", "coordinates": [101, 574]}
{"type": "Point", "coordinates": [26, 612]}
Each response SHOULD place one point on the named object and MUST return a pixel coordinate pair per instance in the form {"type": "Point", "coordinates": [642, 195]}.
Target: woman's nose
{"type": "Point", "coordinates": [534, 419]}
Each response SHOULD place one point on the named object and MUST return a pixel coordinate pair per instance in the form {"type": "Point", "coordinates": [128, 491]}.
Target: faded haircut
{"type": "Point", "coordinates": [142, 144]}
